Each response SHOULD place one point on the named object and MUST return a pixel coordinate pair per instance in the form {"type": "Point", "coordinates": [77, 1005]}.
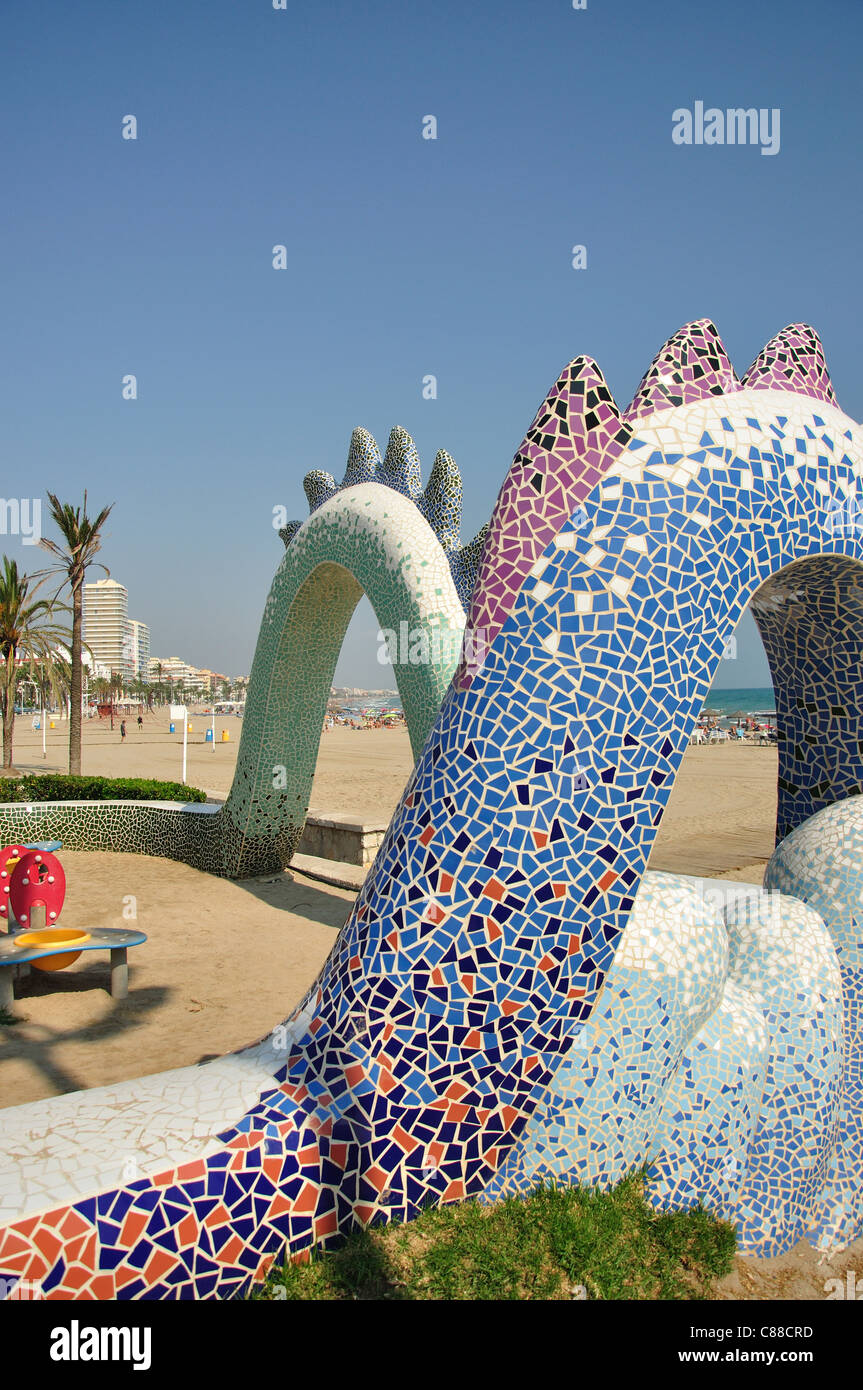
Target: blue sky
{"type": "Point", "coordinates": [405, 256]}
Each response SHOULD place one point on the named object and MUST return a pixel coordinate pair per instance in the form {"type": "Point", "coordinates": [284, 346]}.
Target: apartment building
{"type": "Point", "coordinates": [106, 626]}
{"type": "Point", "coordinates": [139, 644]}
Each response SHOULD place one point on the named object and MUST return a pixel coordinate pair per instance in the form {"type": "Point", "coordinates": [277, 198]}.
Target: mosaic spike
{"type": "Point", "coordinates": [364, 458]}
{"type": "Point", "coordinates": [441, 501]}
{"type": "Point", "coordinates": [575, 436]}
{"type": "Point", "coordinates": [401, 466]}
{"type": "Point", "coordinates": [318, 487]}
{"type": "Point", "coordinates": [793, 361]}
{"type": "Point", "coordinates": [691, 365]}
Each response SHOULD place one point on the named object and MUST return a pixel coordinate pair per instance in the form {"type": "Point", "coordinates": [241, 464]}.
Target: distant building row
{"type": "Point", "coordinates": [121, 645]}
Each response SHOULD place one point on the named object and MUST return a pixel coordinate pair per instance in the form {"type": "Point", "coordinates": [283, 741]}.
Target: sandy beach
{"type": "Point", "coordinates": [360, 773]}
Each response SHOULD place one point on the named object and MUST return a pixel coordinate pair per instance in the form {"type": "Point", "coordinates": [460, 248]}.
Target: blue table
{"type": "Point", "coordinates": [114, 939]}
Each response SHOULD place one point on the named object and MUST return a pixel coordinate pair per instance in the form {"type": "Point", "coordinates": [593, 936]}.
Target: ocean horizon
{"type": "Point", "coordinates": [751, 699]}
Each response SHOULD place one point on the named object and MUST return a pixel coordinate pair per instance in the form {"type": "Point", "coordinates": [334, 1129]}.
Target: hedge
{"type": "Point", "coordinates": [58, 786]}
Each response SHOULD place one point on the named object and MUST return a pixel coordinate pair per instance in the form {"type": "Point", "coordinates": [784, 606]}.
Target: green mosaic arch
{"type": "Point", "coordinates": [366, 539]}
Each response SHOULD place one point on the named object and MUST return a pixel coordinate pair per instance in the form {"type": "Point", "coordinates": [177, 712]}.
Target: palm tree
{"type": "Point", "coordinates": [82, 538]}
{"type": "Point", "coordinates": [27, 640]}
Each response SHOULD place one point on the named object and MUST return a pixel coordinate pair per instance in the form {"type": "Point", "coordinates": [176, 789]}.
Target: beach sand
{"type": "Point", "coordinates": [225, 962]}
{"type": "Point", "coordinates": [359, 773]}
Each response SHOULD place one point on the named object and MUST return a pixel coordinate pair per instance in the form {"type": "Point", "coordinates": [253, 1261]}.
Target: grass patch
{"type": "Point", "coordinates": [557, 1243]}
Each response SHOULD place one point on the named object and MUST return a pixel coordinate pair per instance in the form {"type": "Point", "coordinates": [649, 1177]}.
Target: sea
{"type": "Point", "coordinates": [751, 699]}
{"type": "Point", "coordinates": [360, 704]}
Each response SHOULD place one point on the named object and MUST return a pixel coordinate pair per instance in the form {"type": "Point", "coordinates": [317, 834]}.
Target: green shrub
{"type": "Point", "coordinates": [58, 786]}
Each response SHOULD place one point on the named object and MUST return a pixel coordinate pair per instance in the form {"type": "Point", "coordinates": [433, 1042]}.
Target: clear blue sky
{"type": "Point", "coordinates": [406, 256]}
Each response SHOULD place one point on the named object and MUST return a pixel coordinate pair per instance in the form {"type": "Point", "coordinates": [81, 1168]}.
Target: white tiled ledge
{"type": "Point", "coordinates": [67, 1148]}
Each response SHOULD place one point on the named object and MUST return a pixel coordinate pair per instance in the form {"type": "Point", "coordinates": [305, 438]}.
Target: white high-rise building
{"type": "Point", "coordinates": [175, 673]}
{"type": "Point", "coordinates": [139, 643]}
{"type": "Point", "coordinates": [106, 626]}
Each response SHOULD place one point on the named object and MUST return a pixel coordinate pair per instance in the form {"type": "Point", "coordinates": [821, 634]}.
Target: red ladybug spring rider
{"type": "Point", "coordinates": [37, 880]}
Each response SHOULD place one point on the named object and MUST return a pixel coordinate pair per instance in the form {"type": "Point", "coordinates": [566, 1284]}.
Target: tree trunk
{"type": "Point", "coordinates": [8, 711]}
{"type": "Point", "coordinates": [77, 678]}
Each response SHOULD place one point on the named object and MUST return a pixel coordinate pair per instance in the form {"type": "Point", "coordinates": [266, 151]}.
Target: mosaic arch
{"type": "Point", "coordinates": [508, 937]}
{"type": "Point", "coordinates": [367, 536]}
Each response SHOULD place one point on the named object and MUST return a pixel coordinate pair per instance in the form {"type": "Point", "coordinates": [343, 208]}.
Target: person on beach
{"type": "Point", "coordinates": [123, 731]}
{"type": "Point", "coordinates": [140, 723]}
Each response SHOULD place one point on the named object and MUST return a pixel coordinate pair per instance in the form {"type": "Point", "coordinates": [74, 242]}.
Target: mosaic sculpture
{"type": "Point", "coordinates": [512, 995]}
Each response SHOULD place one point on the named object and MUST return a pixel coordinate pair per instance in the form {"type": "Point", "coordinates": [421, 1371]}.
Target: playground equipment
{"type": "Point", "coordinates": [380, 532]}
{"type": "Point", "coordinates": [45, 937]}
{"type": "Point", "coordinates": [47, 950]}
{"type": "Point", "coordinates": [10, 858]}
{"type": "Point", "coordinates": [513, 996]}
{"type": "Point", "coordinates": [34, 894]}
{"type": "Point", "coordinates": [37, 887]}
